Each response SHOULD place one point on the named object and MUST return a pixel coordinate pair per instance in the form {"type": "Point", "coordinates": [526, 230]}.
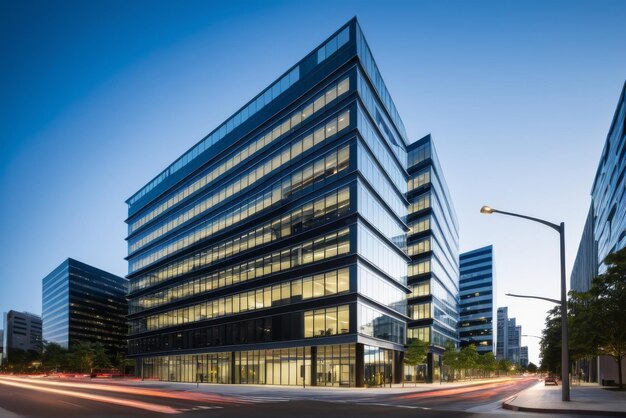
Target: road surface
{"type": "Point", "coordinates": [46, 398]}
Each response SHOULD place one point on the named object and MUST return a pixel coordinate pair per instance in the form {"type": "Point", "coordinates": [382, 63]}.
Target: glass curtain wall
{"type": "Point", "coordinates": [334, 365]}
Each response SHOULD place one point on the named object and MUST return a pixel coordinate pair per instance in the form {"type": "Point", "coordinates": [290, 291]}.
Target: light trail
{"type": "Point", "coordinates": [457, 391]}
{"type": "Point", "coordinates": [188, 396]}
{"type": "Point", "coordinates": [92, 397]}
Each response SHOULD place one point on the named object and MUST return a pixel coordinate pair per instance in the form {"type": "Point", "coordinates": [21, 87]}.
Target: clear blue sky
{"type": "Point", "coordinates": [97, 97]}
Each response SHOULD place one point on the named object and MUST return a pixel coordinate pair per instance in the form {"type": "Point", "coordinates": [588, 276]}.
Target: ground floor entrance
{"type": "Point", "coordinates": [346, 365]}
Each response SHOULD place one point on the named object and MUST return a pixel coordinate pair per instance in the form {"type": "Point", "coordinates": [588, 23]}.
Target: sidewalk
{"type": "Point", "coordinates": [585, 399]}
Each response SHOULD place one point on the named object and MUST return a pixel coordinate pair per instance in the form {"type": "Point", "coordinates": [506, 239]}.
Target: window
{"type": "Point", "coordinates": [421, 311]}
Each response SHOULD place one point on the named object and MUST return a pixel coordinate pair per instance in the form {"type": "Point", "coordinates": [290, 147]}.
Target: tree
{"type": "Point", "coordinates": [451, 359]}
{"type": "Point", "coordinates": [100, 358]}
{"type": "Point", "coordinates": [532, 367]}
{"type": "Point", "coordinates": [85, 356]}
{"type": "Point", "coordinates": [416, 355]}
{"type": "Point", "coordinates": [54, 356]}
{"type": "Point", "coordinates": [21, 361]}
{"type": "Point", "coordinates": [600, 318]}
{"type": "Point", "coordinates": [468, 358]}
{"type": "Point", "coordinates": [487, 363]}
{"type": "Point", "coordinates": [119, 362]}
{"type": "Point", "coordinates": [505, 365]}
{"type": "Point", "coordinates": [550, 345]}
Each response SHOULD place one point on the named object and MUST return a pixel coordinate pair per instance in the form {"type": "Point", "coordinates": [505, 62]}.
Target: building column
{"type": "Point", "coordinates": [359, 375]}
{"type": "Point", "coordinates": [429, 368]}
{"type": "Point", "coordinates": [313, 366]}
{"type": "Point", "coordinates": [232, 367]}
{"type": "Point", "coordinates": [398, 366]}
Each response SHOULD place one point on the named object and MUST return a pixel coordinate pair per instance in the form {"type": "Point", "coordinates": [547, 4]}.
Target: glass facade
{"type": "Point", "coordinates": [278, 255]}
{"type": "Point", "coordinates": [605, 229]}
{"type": "Point", "coordinates": [476, 323]}
{"type": "Point", "coordinates": [83, 303]}
{"type": "Point", "coordinates": [432, 245]}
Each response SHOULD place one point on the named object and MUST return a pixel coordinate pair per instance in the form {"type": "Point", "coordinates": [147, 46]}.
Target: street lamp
{"type": "Point", "coordinates": [563, 302]}
{"type": "Point", "coordinates": [558, 302]}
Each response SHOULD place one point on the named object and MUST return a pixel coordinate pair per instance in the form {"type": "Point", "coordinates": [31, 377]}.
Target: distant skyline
{"type": "Point", "coordinates": [99, 97]}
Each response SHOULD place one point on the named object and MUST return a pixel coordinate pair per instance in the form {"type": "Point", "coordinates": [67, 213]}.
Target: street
{"type": "Point", "coordinates": [28, 397]}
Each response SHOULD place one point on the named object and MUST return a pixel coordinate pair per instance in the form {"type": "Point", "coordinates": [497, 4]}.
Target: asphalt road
{"type": "Point", "coordinates": [55, 399]}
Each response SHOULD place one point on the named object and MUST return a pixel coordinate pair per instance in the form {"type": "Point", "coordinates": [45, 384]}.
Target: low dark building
{"type": "Point", "coordinates": [83, 303]}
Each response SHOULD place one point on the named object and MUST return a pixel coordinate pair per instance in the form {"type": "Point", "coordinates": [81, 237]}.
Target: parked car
{"type": "Point", "coordinates": [551, 380]}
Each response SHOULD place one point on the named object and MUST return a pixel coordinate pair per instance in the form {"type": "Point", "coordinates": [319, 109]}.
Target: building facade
{"type": "Point", "coordinates": [432, 244]}
{"type": "Point", "coordinates": [586, 264]}
{"type": "Point", "coordinates": [274, 250]}
{"type": "Point", "coordinates": [605, 228]}
{"type": "Point", "coordinates": [514, 345]}
{"type": "Point", "coordinates": [477, 293]}
{"type": "Point", "coordinates": [523, 359]}
{"type": "Point", "coordinates": [509, 338]}
{"type": "Point", "coordinates": [22, 331]}
{"type": "Point", "coordinates": [84, 303]}
{"type": "Point", "coordinates": [608, 194]}
{"type": "Point", "coordinates": [502, 337]}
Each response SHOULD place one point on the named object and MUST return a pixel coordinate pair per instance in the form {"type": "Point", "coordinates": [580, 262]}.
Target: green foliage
{"type": "Point", "coordinates": [21, 361]}
{"type": "Point", "coordinates": [450, 359]}
{"type": "Point", "coordinates": [598, 315]}
{"type": "Point", "coordinates": [487, 362]}
{"type": "Point", "coordinates": [550, 345]}
{"type": "Point", "coordinates": [532, 367]}
{"type": "Point", "coordinates": [505, 365]}
{"type": "Point", "coordinates": [53, 357]}
{"type": "Point", "coordinates": [416, 353]}
{"type": "Point", "coordinates": [469, 360]}
{"type": "Point", "coordinates": [468, 357]}
{"type": "Point", "coordinates": [85, 357]}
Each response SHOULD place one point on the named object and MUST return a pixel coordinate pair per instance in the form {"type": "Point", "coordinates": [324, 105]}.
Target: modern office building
{"type": "Point", "coordinates": [22, 331]}
{"type": "Point", "coordinates": [605, 228]}
{"type": "Point", "coordinates": [586, 263]}
{"type": "Point", "coordinates": [83, 303]}
{"type": "Point", "coordinates": [477, 305]}
{"type": "Point", "coordinates": [274, 250]}
{"type": "Point", "coordinates": [514, 345]}
{"type": "Point", "coordinates": [509, 338]}
{"type": "Point", "coordinates": [432, 244]}
{"type": "Point", "coordinates": [502, 332]}
{"type": "Point", "coordinates": [523, 359]}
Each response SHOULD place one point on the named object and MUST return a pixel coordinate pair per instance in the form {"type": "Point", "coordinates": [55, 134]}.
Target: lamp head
{"type": "Point", "coordinates": [486, 210]}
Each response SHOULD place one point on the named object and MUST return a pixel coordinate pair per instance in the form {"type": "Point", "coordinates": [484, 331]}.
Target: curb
{"type": "Point", "coordinates": [510, 407]}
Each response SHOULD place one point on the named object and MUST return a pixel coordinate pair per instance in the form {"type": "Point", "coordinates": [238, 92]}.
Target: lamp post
{"type": "Point", "coordinates": [563, 302]}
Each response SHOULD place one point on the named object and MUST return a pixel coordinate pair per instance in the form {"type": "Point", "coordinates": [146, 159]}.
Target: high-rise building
{"type": "Point", "coordinates": [274, 250]}
{"type": "Point", "coordinates": [22, 331]}
{"type": "Point", "coordinates": [502, 337]}
{"type": "Point", "coordinates": [476, 324]}
{"type": "Point", "coordinates": [432, 244]}
{"type": "Point", "coordinates": [509, 338]}
{"type": "Point", "coordinates": [605, 228]}
{"type": "Point", "coordinates": [515, 341]}
{"type": "Point", "coordinates": [84, 303]}
{"type": "Point", "coordinates": [523, 358]}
